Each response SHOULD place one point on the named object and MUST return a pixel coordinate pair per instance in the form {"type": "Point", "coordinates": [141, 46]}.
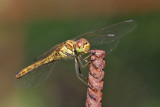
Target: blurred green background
{"type": "Point", "coordinates": [29, 28]}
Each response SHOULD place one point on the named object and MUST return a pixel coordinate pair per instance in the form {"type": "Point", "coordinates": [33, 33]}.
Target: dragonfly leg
{"type": "Point", "coordinates": [79, 73]}
{"type": "Point", "coordinates": [86, 64]}
{"type": "Point", "coordinates": [83, 65]}
{"type": "Point", "coordinates": [85, 59]}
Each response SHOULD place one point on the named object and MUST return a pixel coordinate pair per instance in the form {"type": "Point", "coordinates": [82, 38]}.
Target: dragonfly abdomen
{"type": "Point", "coordinates": [50, 59]}
{"type": "Point", "coordinates": [65, 51]}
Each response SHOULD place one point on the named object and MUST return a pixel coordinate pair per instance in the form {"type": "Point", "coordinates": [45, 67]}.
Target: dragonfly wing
{"type": "Point", "coordinates": [44, 55]}
{"type": "Point", "coordinates": [108, 35]}
{"type": "Point", "coordinates": [35, 77]}
{"type": "Point", "coordinates": [107, 47]}
{"type": "Point", "coordinates": [39, 74]}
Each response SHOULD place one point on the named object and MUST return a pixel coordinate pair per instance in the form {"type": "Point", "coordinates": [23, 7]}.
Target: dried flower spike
{"type": "Point", "coordinates": [95, 82]}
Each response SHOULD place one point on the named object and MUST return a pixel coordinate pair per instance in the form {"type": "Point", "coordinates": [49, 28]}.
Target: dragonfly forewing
{"type": "Point", "coordinates": [46, 54]}
{"type": "Point", "coordinates": [108, 35]}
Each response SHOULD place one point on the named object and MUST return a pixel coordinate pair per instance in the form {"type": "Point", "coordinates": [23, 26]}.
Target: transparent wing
{"type": "Point", "coordinates": [35, 77]}
{"type": "Point", "coordinates": [38, 75]}
{"type": "Point", "coordinates": [108, 37]}
{"type": "Point", "coordinates": [44, 55]}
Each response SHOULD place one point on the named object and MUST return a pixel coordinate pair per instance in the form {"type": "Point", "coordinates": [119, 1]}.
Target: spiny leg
{"type": "Point", "coordinates": [83, 65]}
{"type": "Point", "coordinates": [87, 62]}
{"type": "Point", "coordinates": [78, 71]}
{"type": "Point", "coordinates": [85, 59]}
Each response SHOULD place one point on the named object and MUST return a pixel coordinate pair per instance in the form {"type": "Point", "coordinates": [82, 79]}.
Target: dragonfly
{"type": "Point", "coordinates": [75, 48]}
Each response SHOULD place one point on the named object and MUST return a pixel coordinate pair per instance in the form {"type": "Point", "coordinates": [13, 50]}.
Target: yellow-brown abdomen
{"type": "Point", "coordinates": [64, 51]}
{"type": "Point", "coordinates": [51, 58]}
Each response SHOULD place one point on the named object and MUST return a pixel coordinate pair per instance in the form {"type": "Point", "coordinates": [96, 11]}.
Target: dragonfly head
{"type": "Point", "coordinates": [82, 46]}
